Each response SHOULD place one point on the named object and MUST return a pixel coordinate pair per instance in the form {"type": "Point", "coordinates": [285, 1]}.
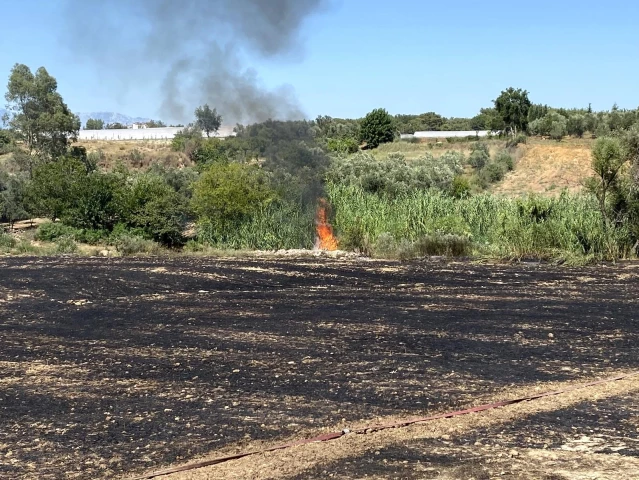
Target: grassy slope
{"type": "Point", "coordinates": [542, 166]}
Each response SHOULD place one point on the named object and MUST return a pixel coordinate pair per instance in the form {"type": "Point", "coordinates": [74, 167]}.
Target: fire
{"type": "Point", "coordinates": [325, 238]}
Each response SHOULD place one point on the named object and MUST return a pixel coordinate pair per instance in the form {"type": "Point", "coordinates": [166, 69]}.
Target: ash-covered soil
{"type": "Point", "coordinates": [113, 366]}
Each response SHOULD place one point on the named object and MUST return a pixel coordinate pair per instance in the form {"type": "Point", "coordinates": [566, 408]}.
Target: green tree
{"type": "Point", "coordinates": [513, 106]}
{"type": "Point", "coordinates": [608, 158]}
{"type": "Point", "coordinates": [576, 125]}
{"type": "Point", "coordinates": [155, 124]}
{"type": "Point", "coordinates": [208, 120]}
{"type": "Point", "coordinates": [94, 124]}
{"type": "Point", "coordinates": [376, 128]}
{"type": "Point", "coordinates": [116, 126]}
{"type": "Point", "coordinates": [228, 193]}
{"type": "Point", "coordinates": [152, 205]}
{"type": "Point", "coordinates": [53, 185]}
{"type": "Point", "coordinates": [12, 199]}
{"type": "Point", "coordinates": [37, 114]}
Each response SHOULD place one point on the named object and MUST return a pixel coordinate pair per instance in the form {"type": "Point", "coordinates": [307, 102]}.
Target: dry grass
{"type": "Point", "coordinates": [548, 167]}
{"type": "Point", "coordinates": [135, 153]}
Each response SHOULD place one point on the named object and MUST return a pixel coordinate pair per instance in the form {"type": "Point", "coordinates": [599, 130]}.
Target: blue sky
{"type": "Point", "coordinates": [408, 57]}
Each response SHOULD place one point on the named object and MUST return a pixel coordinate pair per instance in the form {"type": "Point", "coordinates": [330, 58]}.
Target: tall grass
{"type": "Point", "coordinates": [281, 226]}
{"type": "Point", "coordinates": [535, 227]}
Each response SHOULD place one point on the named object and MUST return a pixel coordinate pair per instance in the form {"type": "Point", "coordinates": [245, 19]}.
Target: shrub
{"type": "Point", "coordinates": [344, 146]}
{"type": "Point", "coordinates": [156, 209]}
{"type": "Point", "coordinates": [448, 245]}
{"type": "Point", "coordinates": [376, 128]}
{"type": "Point", "coordinates": [65, 244]}
{"type": "Point", "coordinates": [505, 160]}
{"type": "Point", "coordinates": [460, 187]}
{"type": "Point", "coordinates": [516, 140]}
{"type": "Point", "coordinates": [226, 194]}
{"type": "Point", "coordinates": [7, 241]}
{"type": "Point", "coordinates": [127, 245]}
{"type": "Point", "coordinates": [479, 156]}
{"type": "Point", "coordinates": [493, 172]}
{"type": "Point", "coordinates": [50, 232]}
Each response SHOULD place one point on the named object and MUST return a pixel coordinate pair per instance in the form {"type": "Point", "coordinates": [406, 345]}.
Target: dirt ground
{"type": "Point", "coordinates": [115, 367]}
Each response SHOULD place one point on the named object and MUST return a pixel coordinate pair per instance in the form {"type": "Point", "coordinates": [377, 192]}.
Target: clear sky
{"type": "Point", "coordinates": [451, 57]}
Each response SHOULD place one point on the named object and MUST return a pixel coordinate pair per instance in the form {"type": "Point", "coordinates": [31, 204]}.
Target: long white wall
{"type": "Point", "coordinates": [445, 134]}
{"type": "Point", "coordinates": [165, 133]}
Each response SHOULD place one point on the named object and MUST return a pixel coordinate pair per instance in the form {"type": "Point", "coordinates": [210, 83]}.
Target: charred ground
{"type": "Point", "coordinates": [116, 366]}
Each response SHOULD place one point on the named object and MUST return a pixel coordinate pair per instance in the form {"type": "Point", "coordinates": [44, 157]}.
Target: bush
{"type": "Point", "coordinates": [460, 187]}
{"type": "Point", "coordinates": [7, 241]}
{"type": "Point", "coordinates": [386, 246]}
{"type": "Point", "coordinates": [50, 232]}
{"type": "Point", "coordinates": [227, 194]}
{"type": "Point", "coordinates": [344, 146]}
{"type": "Point", "coordinates": [516, 140]}
{"type": "Point", "coordinates": [479, 156]}
{"type": "Point", "coordinates": [493, 172]}
{"type": "Point", "coordinates": [505, 160]}
{"type": "Point", "coordinates": [127, 245]}
{"type": "Point", "coordinates": [65, 244]}
{"type": "Point", "coordinates": [376, 128]}
{"type": "Point", "coordinates": [393, 175]}
{"type": "Point", "coordinates": [156, 209]}
{"type": "Point", "coordinates": [448, 245]}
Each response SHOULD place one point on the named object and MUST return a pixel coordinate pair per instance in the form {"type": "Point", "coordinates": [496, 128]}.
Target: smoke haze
{"type": "Point", "coordinates": [197, 47]}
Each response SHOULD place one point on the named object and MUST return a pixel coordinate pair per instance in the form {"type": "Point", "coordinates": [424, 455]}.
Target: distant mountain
{"type": "Point", "coordinates": [111, 117]}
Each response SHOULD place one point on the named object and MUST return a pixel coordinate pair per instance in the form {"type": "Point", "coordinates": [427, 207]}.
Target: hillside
{"type": "Point", "coordinates": [548, 167]}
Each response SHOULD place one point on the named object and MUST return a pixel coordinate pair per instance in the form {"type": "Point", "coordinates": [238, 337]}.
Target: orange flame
{"type": "Point", "coordinates": [325, 238]}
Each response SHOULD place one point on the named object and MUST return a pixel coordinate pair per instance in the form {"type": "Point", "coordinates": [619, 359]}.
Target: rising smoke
{"type": "Point", "coordinates": [197, 46]}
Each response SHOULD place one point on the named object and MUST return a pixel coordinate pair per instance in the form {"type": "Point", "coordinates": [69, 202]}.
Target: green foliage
{"type": "Point", "coordinates": [52, 186]}
{"type": "Point", "coordinates": [513, 106]}
{"type": "Point", "coordinates": [7, 241]}
{"type": "Point", "coordinates": [460, 187]}
{"type": "Point", "coordinates": [13, 199]}
{"type": "Point", "coordinates": [94, 124]}
{"type": "Point", "coordinates": [39, 116]}
{"type": "Point", "coordinates": [518, 139]}
{"type": "Point", "coordinates": [155, 208]}
{"type": "Point", "coordinates": [65, 245]}
{"type": "Point", "coordinates": [576, 125]}
{"type": "Point", "coordinates": [6, 141]}
{"type": "Point", "coordinates": [228, 194]}
{"type": "Point", "coordinates": [187, 140]}
{"type": "Point", "coordinates": [504, 159]}
{"type": "Point", "coordinates": [344, 146]}
{"type": "Point", "coordinates": [280, 225]}
{"type": "Point", "coordinates": [493, 172]}
{"type": "Point", "coordinates": [532, 227]}
{"type": "Point", "coordinates": [128, 245]}
{"type": "Point", "coordinates": [479, 156]}
{"type": "Point", "coordinates": [376, 128]}
{"type": "Point", "coordinates": [155, 124]}
{"type": "Point", "coordinates": [208, 120]}
{"type": "Point", "coordinates": [552, 124]}
{"type": "Point", "coordinates": [393, 175]}
{"type": "Point", "coordinates": [116, 126]}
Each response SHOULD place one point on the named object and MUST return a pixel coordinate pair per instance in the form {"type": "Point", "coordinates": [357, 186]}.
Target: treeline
{"type": "Point", "coordinates": [259, 189]}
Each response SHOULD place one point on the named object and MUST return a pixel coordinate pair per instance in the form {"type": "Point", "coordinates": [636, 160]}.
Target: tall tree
{"type": "Point", "coordinates": [513, 106]}
{"type": "Point", "coordinates": [207, 119]}
{"type": "Point", "coordinates": [37, 114]}
{"type": "Point", "coordinates": [376, 128]}
{"type": "Point", "coordinates": [94, 124]}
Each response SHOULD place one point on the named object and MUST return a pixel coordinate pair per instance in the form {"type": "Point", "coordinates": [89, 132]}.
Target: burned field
{"type": "Point", "coordinates": [113, 367]}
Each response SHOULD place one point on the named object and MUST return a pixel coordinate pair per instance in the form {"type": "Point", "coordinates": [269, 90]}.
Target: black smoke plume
{"type": "Point", "coordinates": [198, 47]}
